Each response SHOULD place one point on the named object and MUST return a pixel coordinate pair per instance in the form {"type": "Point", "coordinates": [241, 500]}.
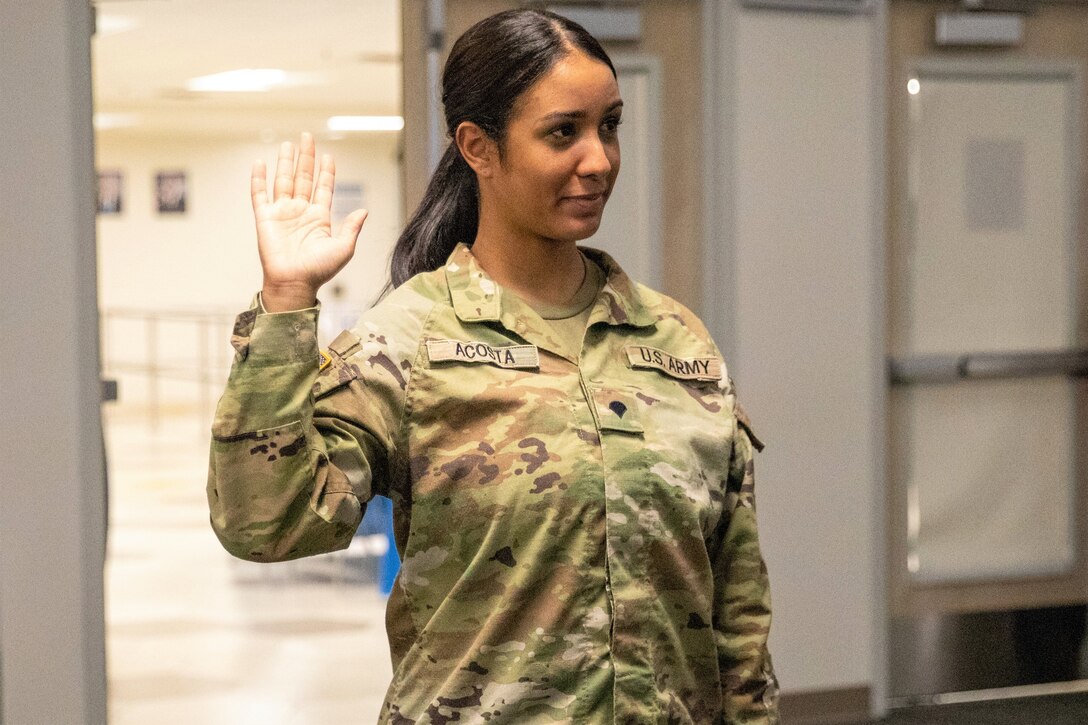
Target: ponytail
{"type": "Point", "coordinates": [448, 214]}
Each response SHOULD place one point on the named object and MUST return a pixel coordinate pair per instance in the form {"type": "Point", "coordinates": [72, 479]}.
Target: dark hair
{"type": "Point", "coordinates": [490, 66]}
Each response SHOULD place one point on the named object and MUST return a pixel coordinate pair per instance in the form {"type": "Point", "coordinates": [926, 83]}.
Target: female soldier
{"type": "Point", "coordinates": [571, 475]}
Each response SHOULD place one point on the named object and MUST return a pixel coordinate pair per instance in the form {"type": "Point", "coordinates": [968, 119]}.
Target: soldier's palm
{"type": "Point", "coordinates": [296, 243]}
{"type": "Point", "coordinates": [294, 235]}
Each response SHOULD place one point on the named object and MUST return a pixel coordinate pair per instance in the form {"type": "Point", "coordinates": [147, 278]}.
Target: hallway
{"type": "Point", "coordinates": [194, 636]}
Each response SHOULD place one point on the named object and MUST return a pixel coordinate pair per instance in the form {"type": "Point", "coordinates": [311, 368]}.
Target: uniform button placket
{"type": "Point", "coordinates": [606, 494]}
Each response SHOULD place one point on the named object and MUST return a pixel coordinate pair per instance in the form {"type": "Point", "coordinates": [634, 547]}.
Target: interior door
{"type": "Point", "coordinates": [987, 356]}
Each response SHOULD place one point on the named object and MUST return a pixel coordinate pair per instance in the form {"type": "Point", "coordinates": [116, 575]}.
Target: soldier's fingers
{"type": "Point", "coordinates": [352, 226]}
{"type": "Point", "coordinates": [285, 167]}
{"type": "Point", "coordinates": [258, 184]}
{"type": "Point", "coordinates": [326, 178]}
{"type": "Point", "coordinates": [304, 172]}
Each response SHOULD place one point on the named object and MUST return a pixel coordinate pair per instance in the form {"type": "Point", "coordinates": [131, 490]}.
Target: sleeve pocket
{"type": "Point", "coordinates": [337, 370]}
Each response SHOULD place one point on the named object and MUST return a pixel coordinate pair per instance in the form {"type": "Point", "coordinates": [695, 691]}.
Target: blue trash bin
{"type": "Point", "coordinates": [378, 519]}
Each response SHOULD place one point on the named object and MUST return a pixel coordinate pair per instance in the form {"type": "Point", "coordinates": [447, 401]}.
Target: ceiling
{"type": "Point", "coordinates": [344, 57]}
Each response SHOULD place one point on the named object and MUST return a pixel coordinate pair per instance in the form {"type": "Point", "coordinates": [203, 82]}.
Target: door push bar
{"type": "Point", "coordinates": [987, 366]}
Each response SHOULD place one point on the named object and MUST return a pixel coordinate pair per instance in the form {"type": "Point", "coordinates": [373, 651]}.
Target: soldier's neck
{"type": "Point", "coordinates": [540, 271]}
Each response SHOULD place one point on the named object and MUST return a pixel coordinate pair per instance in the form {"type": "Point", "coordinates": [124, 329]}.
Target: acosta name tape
{"type": "Point", "coordinates": [507, 356]}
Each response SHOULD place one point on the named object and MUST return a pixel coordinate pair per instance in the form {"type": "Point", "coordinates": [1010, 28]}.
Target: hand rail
{"type": "Point", "coordinates": [920, 369]}
{"type": "Point", "coordinates": [206, 333]}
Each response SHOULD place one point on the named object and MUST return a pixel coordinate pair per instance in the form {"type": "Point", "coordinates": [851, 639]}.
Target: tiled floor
{"type": "Point", "coordinates": [194, 636]}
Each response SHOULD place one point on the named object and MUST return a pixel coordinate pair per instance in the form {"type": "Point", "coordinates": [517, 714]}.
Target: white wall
{"type": "Point", "coordinates": [806, 326]}
{"type": "Point", "coordinates": [207, 257]}
{"type": "Point", "coordinates": [205, 260]}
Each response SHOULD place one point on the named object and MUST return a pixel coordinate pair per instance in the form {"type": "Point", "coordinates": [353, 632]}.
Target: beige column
{"type": "Point", "coordinates": [52, 480]}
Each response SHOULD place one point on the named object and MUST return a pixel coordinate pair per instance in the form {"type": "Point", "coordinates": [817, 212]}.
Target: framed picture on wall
{"type": "Point", "coordinates": [110, 192]}
{"type": "Point", "coordinates": [170, 192]}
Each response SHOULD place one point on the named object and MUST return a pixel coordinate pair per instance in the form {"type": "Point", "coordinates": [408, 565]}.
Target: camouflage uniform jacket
{"type": "Point", "coordinates": [578, 535]}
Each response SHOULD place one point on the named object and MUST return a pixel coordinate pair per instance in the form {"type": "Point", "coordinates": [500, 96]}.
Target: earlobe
{"type": "Point", "coordinates": [476, 147]}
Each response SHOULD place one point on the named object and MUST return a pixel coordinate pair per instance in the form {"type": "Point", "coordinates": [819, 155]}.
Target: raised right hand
{"type": "Point", "coordinates": [294, 230]}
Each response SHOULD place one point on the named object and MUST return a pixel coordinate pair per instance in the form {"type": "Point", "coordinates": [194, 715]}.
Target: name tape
{"type": "Point", "coordinates": [507, 356]}
{"type": "Point", "coordinates": [686, 368]}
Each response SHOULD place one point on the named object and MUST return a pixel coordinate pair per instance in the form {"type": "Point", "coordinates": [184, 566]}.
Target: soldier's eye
{"type": "Point", "coordinates": [564, 132]}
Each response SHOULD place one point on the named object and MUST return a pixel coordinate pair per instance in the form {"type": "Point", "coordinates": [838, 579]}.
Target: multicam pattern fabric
{"type": "Point", "coordinates": [578, 536]}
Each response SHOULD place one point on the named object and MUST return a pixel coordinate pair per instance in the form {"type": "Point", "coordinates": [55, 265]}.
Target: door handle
{"type": "Point", "coordinates": [987, 366]}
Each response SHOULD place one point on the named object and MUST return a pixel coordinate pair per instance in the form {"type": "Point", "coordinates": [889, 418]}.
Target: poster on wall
{"type": "Point", "coordinates": [170, 192]}
{"type": "Point", "coordinates": [110, 192]}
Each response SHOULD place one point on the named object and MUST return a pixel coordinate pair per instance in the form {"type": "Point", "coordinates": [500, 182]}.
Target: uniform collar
{"type": "Point", "coordinates": [478, 298]}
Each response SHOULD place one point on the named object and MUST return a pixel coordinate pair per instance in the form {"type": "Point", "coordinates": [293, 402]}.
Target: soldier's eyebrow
{"type": "Point", "coordinates": [576, 115]}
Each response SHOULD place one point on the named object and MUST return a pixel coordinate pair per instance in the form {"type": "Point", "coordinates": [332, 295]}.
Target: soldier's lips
{"type": "Point", "coordinates": [585, 203]}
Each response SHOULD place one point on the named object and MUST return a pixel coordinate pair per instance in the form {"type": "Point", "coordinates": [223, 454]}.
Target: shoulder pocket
{"type": "Point", "coordinates": [745, 422]}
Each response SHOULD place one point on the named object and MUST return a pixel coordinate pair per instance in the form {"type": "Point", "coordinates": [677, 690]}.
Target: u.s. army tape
{"type": "Point", "coordinates": [686, 368]}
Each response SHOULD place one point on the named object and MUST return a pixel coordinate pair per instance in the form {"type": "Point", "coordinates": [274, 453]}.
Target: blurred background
{"type": "Point", "coordinates": [877, 206]}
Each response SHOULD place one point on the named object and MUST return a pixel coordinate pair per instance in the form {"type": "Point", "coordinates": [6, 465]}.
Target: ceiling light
{"type": "Point", "coordinates": [366, 123]}
{"type": "Point", "coordinates": [112, 24]}
{"type": "Point", "coordinates": [234, 81]}
{"type": "Point", "coordinates": [107, 121]}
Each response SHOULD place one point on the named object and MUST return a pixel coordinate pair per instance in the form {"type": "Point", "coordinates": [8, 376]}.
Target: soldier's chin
{"type": "Point", "coordinates": [586, 228]}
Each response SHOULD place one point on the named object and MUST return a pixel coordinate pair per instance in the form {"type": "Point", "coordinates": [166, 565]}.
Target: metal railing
{"type": "Point", "coordinates": [177, 346]}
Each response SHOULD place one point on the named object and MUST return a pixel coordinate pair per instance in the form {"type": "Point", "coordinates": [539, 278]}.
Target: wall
{"type": "Point", "coordinates": [207, 257]}
{"type": "Point", "coordinates": [52, 487]}
{"type": "Point", "coordinates": [205, 260]}
{"type": "Point", "coordinates": [804, 186]}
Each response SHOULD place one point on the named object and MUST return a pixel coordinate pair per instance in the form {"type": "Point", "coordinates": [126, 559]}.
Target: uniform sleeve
{"type": "Point", "coordinates": [742, 602]}
{"type": "Point", "coordinates": [300, 442]}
